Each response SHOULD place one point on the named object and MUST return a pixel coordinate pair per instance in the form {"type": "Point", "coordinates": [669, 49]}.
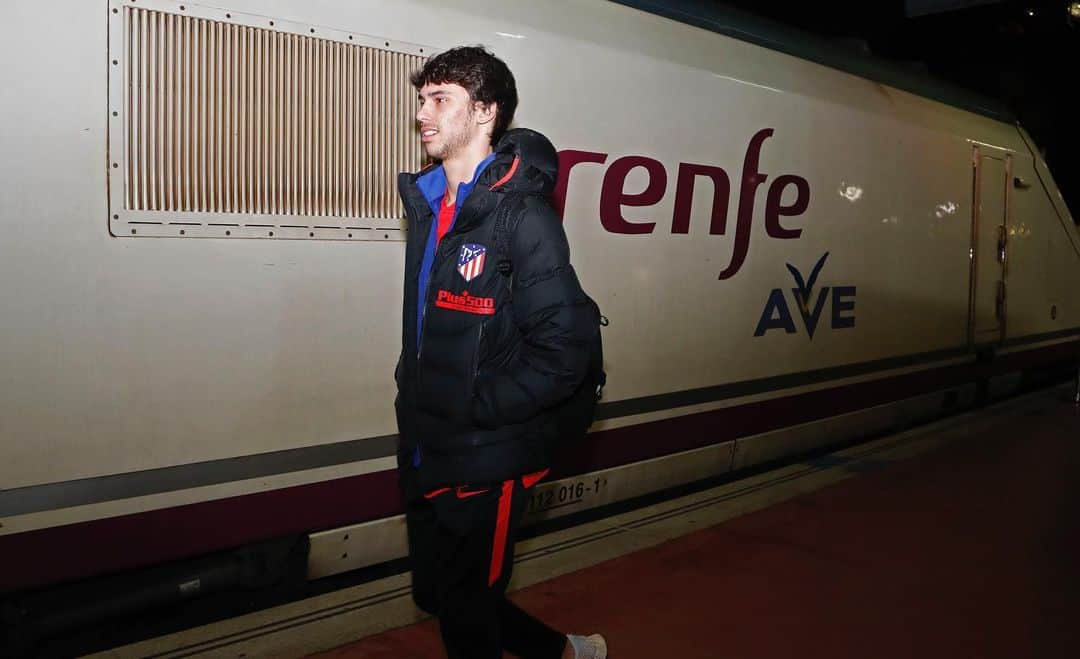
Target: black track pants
{"type": "Point", "coordinates": [461, 546]}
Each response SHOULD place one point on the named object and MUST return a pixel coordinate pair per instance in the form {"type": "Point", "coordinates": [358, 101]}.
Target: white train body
{"type": "Point", "coordinates": [165, 395]}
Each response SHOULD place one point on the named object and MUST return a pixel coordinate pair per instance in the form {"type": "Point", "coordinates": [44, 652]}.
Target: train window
{"type": "Point", "coordinates": [220, 123]}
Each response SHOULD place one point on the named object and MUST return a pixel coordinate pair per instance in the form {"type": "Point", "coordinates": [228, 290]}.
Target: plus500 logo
{"type": "Point", "coordinates": [810, 305]}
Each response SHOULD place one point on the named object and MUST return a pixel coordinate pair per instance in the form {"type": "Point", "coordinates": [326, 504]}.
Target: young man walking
{"type": "Point", "coordinates": [496, 339]}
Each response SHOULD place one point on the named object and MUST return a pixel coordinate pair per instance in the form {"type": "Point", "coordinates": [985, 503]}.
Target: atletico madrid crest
{"type": "Point", "coordinates": [470, 261]}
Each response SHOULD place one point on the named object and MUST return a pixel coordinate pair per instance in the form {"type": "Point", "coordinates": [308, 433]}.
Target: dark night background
{"type": "Point", "coordinates": [1025, 54]}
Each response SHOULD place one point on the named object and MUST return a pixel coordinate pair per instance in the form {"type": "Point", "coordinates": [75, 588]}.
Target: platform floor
{"type": "Point", "coordinates": [956, 539]}
{"type": "Point", "coordinates": [963, 543]}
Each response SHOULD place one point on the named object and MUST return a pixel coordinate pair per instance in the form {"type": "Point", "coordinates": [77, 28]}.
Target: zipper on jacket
{"type": "Point", "coordinates": [410, 205]}
{"type": "Point", "coordinates": [415, 212]}
{"type": "Point", "coordinates": [427, 302]}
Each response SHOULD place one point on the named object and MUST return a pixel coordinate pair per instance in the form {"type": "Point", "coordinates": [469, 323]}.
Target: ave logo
{"type": "Point", "coordinates": [810, 305]}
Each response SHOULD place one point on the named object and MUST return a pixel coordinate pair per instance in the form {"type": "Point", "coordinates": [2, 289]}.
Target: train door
{"type": "Point", "coordinates": [989, 245]}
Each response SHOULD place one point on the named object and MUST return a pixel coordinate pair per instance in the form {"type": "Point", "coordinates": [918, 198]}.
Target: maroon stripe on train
{"type": "Point", "coordinates": [81, 550]}
{"type": "Point", "coordinates": [119, 543]}
{"type": "Point", "coordinates": [657, 438]}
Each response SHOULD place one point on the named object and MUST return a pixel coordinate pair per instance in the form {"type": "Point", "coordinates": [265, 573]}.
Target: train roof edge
{"type": "Point", "coordinates": [744, 26]}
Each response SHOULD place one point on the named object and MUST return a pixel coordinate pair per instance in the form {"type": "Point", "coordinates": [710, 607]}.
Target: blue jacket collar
{"type": "Point", "coordinates": [432, 185]}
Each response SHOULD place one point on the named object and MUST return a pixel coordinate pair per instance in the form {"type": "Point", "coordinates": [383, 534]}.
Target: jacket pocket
{"type": "Point", "coordinates": [498, 343]}
{"type": "Point", "coordinates": [447, 373]}
{"type": "Point", "coordinates": [477, 353]}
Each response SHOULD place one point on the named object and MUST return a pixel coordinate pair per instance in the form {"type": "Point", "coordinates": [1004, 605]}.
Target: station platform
{"type": "Point", "coordinates": [957, 539]}
{"type": "Point", "coordinates": [972, 550]}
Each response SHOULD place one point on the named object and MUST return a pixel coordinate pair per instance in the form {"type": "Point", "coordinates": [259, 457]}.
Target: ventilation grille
{"type": "Point", "coordinates": [228, 124]}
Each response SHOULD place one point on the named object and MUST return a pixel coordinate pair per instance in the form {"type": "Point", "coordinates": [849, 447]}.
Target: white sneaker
{"type": "Point", "coordinates": [589, 647]}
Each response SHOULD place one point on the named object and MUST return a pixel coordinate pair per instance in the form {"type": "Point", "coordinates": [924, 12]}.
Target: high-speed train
{"type": "Point", "coordinates": [202, 251]}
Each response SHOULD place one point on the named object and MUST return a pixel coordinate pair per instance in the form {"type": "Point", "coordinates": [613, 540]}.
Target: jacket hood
{"type": "Point", "coordinates": [524, 161]}
{"type": "Point", "coordinates": [537, 162]}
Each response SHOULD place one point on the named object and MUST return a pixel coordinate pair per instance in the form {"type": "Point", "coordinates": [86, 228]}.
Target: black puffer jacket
{"type": "Point", "coordinates": [499, 354]}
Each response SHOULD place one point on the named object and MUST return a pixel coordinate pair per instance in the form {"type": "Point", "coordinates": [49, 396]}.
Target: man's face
{"type": "Point", "coordinates": [449, 120]}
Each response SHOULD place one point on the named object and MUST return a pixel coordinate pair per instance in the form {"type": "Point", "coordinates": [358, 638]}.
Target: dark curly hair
{"type": "Point", "coordinates": [486, 78]}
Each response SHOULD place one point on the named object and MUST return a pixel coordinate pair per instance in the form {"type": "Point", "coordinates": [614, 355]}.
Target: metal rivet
{"type": "Point", "coordinates": [345, 555]}
{"type": "Point", "coordinates": [116, 114]}
{"type": "Point", "coordinates": [271, 234]}
{"type": "Point", "coordinates": [116, 11]}
{"type": "Point", "coordinates": [228, 233]}
{"type": "Point", "coordinates": [313, 30]}
{"type": "Point", "coordinates": [311, 234]}
{"type": "Point", "coordinates": [116, 217]}
{"type": "Point", "coordinates": [133, 232]}
{"type": "Point", "coordinates": [347, 537]}
{"type": "Point", "coordinates": [271, 22]}
{"type": "Point", "coordinates": [115, 62]}
{"type": "Point", "coordinates": [387, 44]}
{"type": "Point", "coordinates": [228, 15]}
{"type": "Point", "coordinates": [350, 37]}
{"type": "Point", "coordinates": [181, 232]}
{"type": "Point", "coordinates": [115, 165]}
{"type": "Point", "coordinates": [386, 235]}
{"type": "Point", "coordinates": [181, 7]}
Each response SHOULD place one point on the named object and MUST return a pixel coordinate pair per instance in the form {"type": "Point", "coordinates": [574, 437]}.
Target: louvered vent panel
{"type": "Point", "coordinates": [233, 125]}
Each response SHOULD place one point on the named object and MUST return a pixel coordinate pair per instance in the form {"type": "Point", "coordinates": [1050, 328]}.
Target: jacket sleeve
{"type": "Point", "coordinates": [555, 320]}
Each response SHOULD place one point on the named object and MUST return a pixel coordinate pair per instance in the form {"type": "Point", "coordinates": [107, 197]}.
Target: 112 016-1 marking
{"type": "Point", "coordinates": [558, 495]}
